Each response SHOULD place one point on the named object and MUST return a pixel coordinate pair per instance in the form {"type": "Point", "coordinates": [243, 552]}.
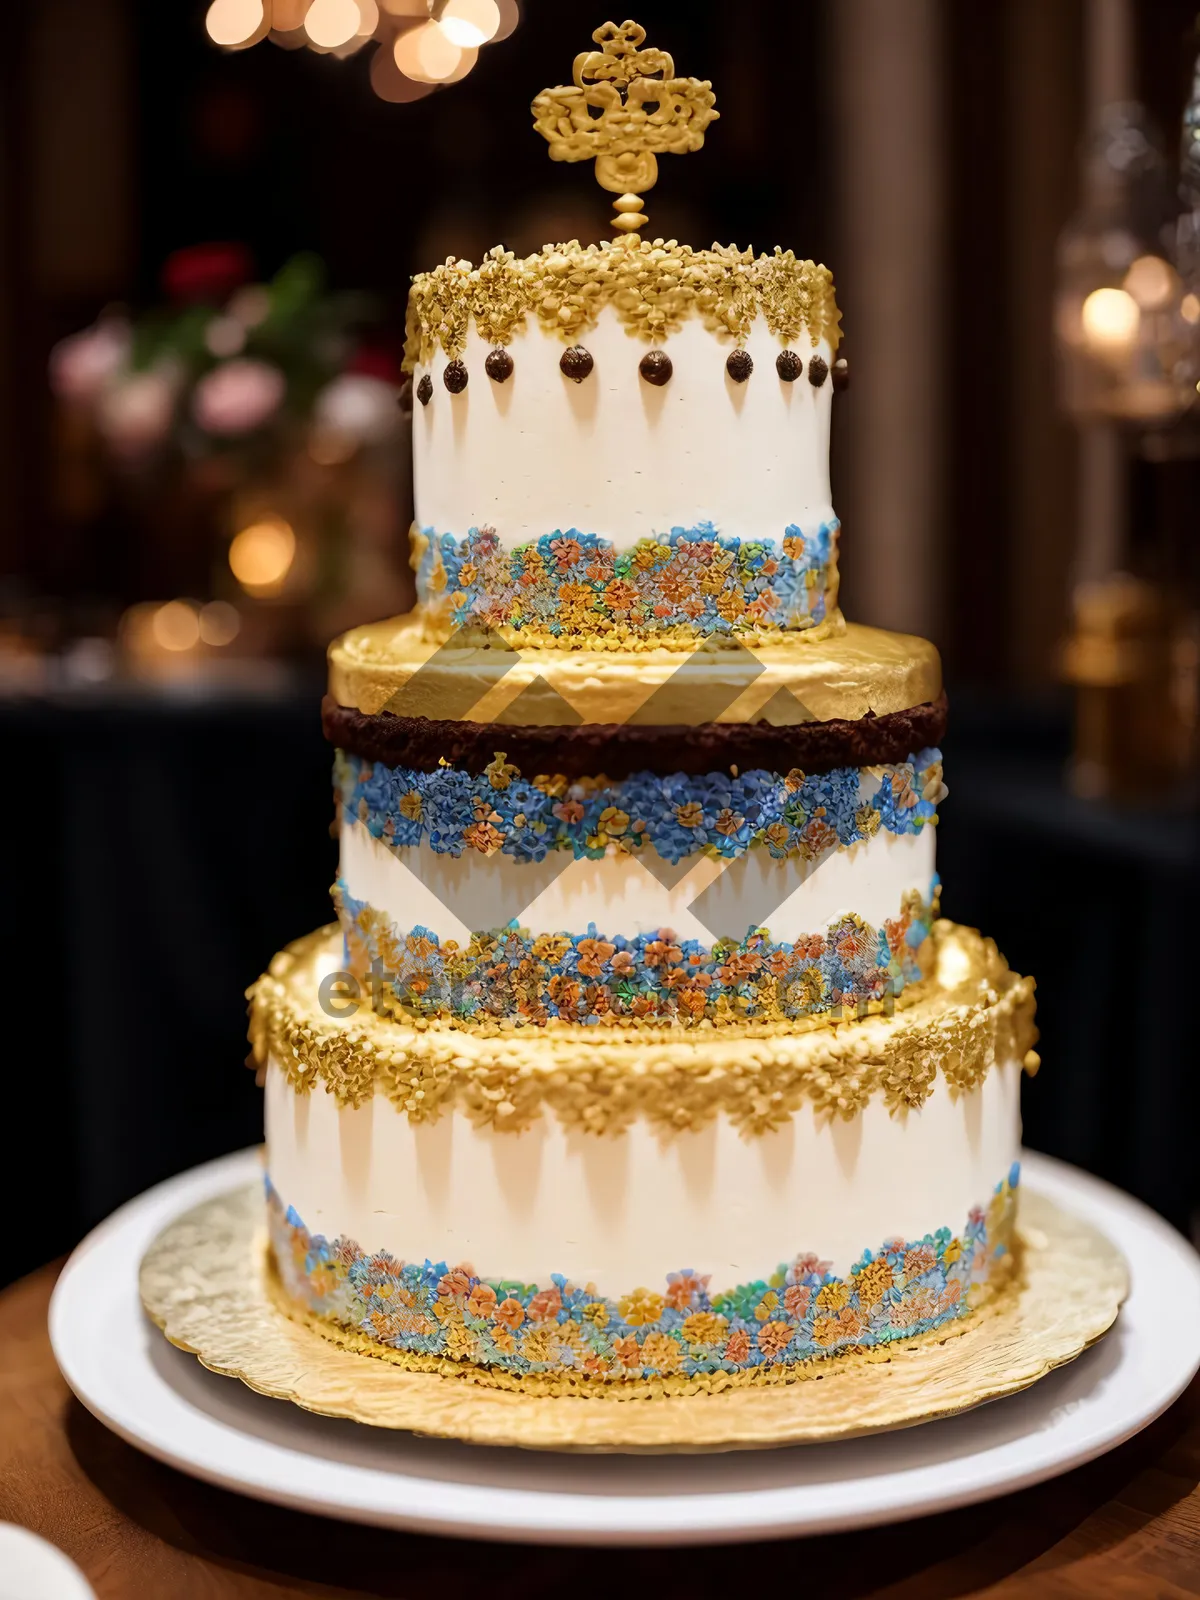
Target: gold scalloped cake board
{"type": "Point", "coordinates": [207, 1283]}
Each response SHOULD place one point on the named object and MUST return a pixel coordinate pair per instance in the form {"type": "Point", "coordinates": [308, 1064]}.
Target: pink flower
{"type": "Point", "coordinates": [358, 408]}
{"type": "Point", "coordinates": [134, 413]}
{"type": "Point", "coordinates": [82, 366]}
{"type": "Point", "coordinates": [238, 396]}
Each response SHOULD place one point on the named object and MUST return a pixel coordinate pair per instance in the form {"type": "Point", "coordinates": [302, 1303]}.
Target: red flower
{"type": "Point", "coordinates": [206, 274]}
{"type": "Point", "coordinates": [376, 363]}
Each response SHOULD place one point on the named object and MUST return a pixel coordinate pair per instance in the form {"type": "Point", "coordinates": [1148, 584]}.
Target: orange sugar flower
{"type": "Point", "coordinates": [509, 1313]}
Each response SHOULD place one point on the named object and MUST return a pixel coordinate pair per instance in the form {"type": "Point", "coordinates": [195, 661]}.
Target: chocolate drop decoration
{"type": "Point", "coordinates": [425, 390]}
{"type": "Point", "coordinates": [841, 374]}
{"type": "Point", "coordinates": [788, 365]}
{"type": "Point", "coordinates": [455, 377]}
{"type": "Point", "coordinates": [576, 363]}
{"type": "Point", "coordinates": [818, 371]}
{"type": "Point", "coordinates": [739, 365]}
{"type": "Point", "coordinates": [656, 367]}
{"type": "Point", "coordinates": [499, 365]}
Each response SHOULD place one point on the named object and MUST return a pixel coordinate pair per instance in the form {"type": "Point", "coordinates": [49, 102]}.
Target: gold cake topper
{"type": "Point", "coordinates": [624, 108]}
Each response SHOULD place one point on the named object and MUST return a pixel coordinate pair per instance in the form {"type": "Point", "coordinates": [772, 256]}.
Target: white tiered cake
{"type": "Point", "coordinates": [640, 1061]}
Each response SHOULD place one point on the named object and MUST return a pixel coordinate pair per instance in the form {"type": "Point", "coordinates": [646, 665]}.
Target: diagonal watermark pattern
{"type": "Point", "coordinates": [493, 884]}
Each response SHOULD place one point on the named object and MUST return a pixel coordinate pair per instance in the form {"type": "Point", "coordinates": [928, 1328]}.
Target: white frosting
{"type": "Point", "coordinates": [616, 456]}
{"type": "Point", "coordinates": [622, 1211]}
{"type": "Point", "coordinates": [454, 896]}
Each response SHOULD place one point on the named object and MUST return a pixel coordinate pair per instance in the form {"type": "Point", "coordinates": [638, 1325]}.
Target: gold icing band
{"type": "Point", "coordinates": [652, 285]}
{"type": "Point", "coordinates": [850, 673]}
{"type": "Point", "coordinates": [972, 1014]}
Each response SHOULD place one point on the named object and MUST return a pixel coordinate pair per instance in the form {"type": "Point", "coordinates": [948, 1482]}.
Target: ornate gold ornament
{"type": "Point", "coordinates": [624, 109]}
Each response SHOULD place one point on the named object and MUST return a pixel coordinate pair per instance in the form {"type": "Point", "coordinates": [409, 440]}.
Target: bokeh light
{"type": "Point", "coordinates": [175, 626]}
{"type": "Point", "coordinates": [466, 60]}
{"type": "Point", "coordinates": [219, 623]}
{"type": "Point", "coordinates": [469, 23]}
{"type": "Point", "coordinates": [1110, 319]}
{"type": "Point", "coordinates": [330, 448]}
{"type": "Point", "coordinates": [231, 23]}
{"type": "Point", "coordinates": [389, 83]}
{"type": "Point", "coordinates": [287, 16]}
{"type": "Point", "coordinates": [331, 23]}
{"type": "Point", "coordinates": [510, 15]}
{"type": "Point", "coordinates": [291, 39]}
{"type": "Point", "coordinates": [1152, 282]}
{"type": "Point", "coordinates": [425, 53]}
{"type": "Point", "coordinates": [261, 556]}
{"type": "Point", "coordinates": [435, 42]}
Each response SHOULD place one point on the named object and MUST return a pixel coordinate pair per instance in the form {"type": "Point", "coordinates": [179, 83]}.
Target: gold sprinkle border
{"type": "Point", "coordinates": [972, 1015]}
{"type": "Point", "coordinates": [654, 286]}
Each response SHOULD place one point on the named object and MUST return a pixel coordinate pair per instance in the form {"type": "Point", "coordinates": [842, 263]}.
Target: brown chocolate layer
{"type": "Point", "coordinates": [617, 750]}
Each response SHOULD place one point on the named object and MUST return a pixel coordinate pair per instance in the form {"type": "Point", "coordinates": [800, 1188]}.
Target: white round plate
{"type": "Point", "coordinates": [163, 1401]}
{"type": "Point", "coordinates": [32, 1566]}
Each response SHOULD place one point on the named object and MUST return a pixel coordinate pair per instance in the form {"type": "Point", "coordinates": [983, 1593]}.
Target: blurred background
{"type": "Point", "coordinates": [208, 218]}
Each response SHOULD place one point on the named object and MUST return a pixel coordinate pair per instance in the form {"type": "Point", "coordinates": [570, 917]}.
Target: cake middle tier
{"type": "Point", "coordinates": [725, 873]}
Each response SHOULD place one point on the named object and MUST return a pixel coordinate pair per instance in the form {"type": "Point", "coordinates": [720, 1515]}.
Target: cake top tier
{"type": "Point", "coordinates": [584, 493]}
{"type": "Point", "coordinates": [624, 445]}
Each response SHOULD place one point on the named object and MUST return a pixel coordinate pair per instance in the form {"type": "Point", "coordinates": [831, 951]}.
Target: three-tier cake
{"type": "Point", "coordinates": [640, 1061]}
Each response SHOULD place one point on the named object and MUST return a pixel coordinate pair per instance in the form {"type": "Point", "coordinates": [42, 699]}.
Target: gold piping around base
{"type": "Point", "coordinates": [840, 671]}
{"type": "Point", "coordinates": [205, 1282]}
{"type": "Point", "coordinates": [972, 1014]}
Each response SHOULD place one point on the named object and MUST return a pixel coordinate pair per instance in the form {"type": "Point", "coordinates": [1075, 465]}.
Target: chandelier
{"type": "Point", "coordinates": [416, 45]}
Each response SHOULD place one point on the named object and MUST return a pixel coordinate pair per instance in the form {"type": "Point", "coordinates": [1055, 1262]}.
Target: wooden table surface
{"type": "Point", "coordinates": [1127, 1525]}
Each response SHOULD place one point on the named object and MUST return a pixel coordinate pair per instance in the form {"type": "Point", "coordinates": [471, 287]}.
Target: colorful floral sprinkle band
{"type": "Point", "coordinates": [427, 1314]}
{"type": "Point", "coordinates": [652, 978]}
{"type": "Point", "coordinates": [690, 583]}
{"type": "Point", "coordinates": [791, 815]}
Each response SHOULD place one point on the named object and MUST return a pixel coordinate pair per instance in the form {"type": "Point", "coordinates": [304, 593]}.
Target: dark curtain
{"type": "Point", "coordinates": [158, 853]}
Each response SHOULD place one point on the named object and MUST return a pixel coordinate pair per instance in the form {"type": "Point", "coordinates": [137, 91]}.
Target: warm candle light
{"type": "Point", "coordinates": [1110, 319]}
{"type": "Point", "coordinates": [261, 556]}
{"type": "Point", "coordinates": [331, 23]}
{"type": "Point", "coordinates": [233, 22]}
{"type": "Point", "coordinates": [510, 15]}
{"type": "Point", "coordinates": [390, 84]}
{"type": "Point", "coordinates": [470, 23]}
{"type": "Point", "coordinates": [176, 626]}
{"type": "Point", "coordinates": [425, 53]}
{"type": "Point", "coordinates": [466, 60]}
{"type": "Point", "coordinates": [219, 623]}
{"type": "Point", "coordinates": [1152, 282]}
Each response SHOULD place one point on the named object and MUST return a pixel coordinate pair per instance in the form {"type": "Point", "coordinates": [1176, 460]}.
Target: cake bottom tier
{"type": "Point", "coordinates": [743, 1209]}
